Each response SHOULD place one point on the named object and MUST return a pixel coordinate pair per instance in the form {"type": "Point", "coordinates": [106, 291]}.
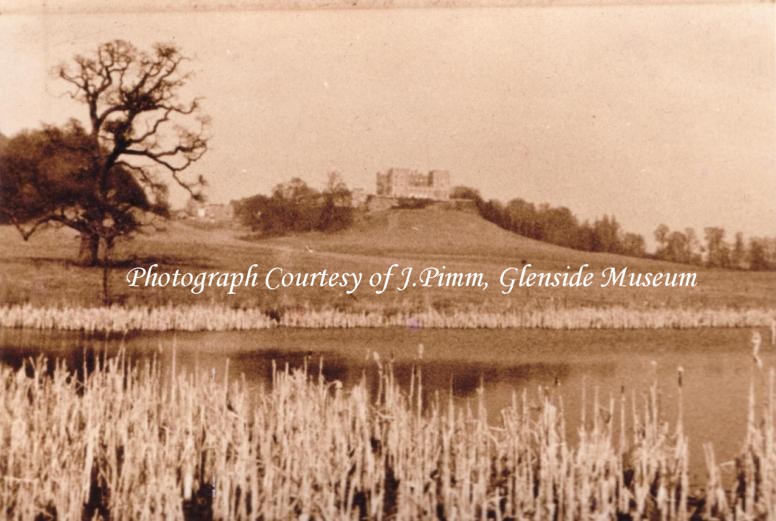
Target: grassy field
{"type": "Point", "coordinates": [125, 442]}
{"type": "Point", "coordinates": [42, 271]}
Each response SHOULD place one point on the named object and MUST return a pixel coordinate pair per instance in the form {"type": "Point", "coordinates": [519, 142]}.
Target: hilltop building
{"type": "Point", "coordinates": [212, 212]}
{"type": "Point", "coordinates": [406, 183]}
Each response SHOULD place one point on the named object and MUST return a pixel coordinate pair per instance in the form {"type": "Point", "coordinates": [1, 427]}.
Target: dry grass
{"type": "Point", "coordinates": [128, 442]}
{"type": "Point", "coordinates": [42, 271]}
{"type": "Point", "coordinates": [222, 318]}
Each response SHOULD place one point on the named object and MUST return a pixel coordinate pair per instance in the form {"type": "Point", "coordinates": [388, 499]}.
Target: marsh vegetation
{"type": "Point", "coordinates": [125, 441]}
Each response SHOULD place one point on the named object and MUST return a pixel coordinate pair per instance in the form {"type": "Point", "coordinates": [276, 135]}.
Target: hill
{"type": "Point", "coordinates": [42, 270]}
{"type": "Point", "coordinates": [461, 235]}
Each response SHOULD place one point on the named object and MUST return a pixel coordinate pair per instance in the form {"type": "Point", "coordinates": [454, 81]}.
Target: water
{"type": "Point", "coordinates": [717, 365]}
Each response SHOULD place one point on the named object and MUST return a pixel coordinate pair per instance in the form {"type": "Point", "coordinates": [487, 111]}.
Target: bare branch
{"type": "Point", "coordinates": [96, 180]}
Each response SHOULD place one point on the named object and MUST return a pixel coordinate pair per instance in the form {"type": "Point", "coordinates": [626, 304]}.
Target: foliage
{"type": "Point", "coordinates": [684, 247]}
{"type": "Point", "coordinates": [676, 246]}
{"type": "Point", "coordinates": [412, 203]}
{"type": "Point", "coordinates": [296, 207]}
{"type": "Point", "coordinates": [717, 250]}
{"type": "Point", "coordinates": [138, 127]}
{"type": "Point", "coordinates": [556, 225]}
{"type": "Point", "coordinates": [762, 253]}
{"type": "Point", "coordinates": [46, 180]}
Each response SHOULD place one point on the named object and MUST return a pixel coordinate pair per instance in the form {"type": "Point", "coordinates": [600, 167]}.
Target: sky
{"type": "Point", "coordinates": [652, 113]}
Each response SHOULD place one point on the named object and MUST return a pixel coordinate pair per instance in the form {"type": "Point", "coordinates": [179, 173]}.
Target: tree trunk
{"type": "Point", "coordinates": [88, 254]}
{"type": "Point", "coordinates": [106, 299]}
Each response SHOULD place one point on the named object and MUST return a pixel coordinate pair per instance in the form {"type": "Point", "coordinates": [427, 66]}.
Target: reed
{"type": "Point", "coordinates": [118, 319]}
{"type": "Point", "coordinates": [133, 442]}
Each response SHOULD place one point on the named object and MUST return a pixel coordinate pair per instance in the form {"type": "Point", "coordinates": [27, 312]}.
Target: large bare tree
{"type": "Point", "coordinates": [139, 124]}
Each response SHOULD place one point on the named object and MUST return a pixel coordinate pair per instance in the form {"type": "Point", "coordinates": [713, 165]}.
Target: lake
{"type": "Point", "coordinates": [718, 365]}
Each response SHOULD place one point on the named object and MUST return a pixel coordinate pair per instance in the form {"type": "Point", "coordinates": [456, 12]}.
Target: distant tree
{"type": "Point", "coordinates": [694, 247]}
{"type": "Point", "coordinates": [294, 191]}
{"type": "Point", "coordinates": [718, 252]}
{"type": "Point", "coordinates": [465, 192]}
{"type": "Point", "coordinates": [634, 245]}
{"type": "Point", "coordinates": [606, 235]}
{"type": "Point", "coordinates": [674, 246]}
{"type": "Point", "coordinates": [560, 226]}
{"type": "Point", "coordinates": [262, 214]}
{"type": "Point", "coordinates": [679, 247]}
{"type": "Point", "coordinates": [661, 236]}
{"type": "Point", "coordinates": [770, 251]}
{"type": "Point", "coordinates": [138, 127]}
{"type": "Point", "coordinates": [738, 255]}
{"type": "Point", "coordinates": [337, 211]}
{"type": "Point", "coordinates": [585, 237]}
{"type": "Point", "coordinates": [758, 255]}
{"type": "Point", "coordinates": [297, 205]}
{"type": "Point", "coordinates": [493, 211]}
{"type": "Point", "coordinates": [337, 189]}
{"type": "Point", "coordinates": [522, 218]}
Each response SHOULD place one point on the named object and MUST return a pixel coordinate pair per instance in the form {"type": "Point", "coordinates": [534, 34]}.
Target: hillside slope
{"type": "Point", "coordinates": [43, 271]}
{"type": "Point", "coordinates": [455, 235]}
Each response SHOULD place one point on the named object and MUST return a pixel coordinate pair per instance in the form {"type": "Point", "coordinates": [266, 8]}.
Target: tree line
{"type": "Point", "coordinates": [294, 206]}
{"type": "Point", "coordinates": [558, 225]}
{"type": "Point", "coordinates": [757, 254]}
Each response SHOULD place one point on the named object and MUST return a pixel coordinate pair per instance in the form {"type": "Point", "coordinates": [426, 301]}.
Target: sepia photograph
{"type": "Point", "coordinates": [387, 260]}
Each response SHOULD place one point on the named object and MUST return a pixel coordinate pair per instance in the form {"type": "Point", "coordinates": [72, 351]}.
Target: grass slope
{"type": "Point", "coordinates": [450, 234]}
{"type": "Point", "coordinates": [42, 270]}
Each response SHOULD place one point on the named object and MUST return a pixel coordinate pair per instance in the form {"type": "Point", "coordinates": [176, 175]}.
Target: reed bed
{"type": "Point", "coordinates": [547, 318]}
{"type": "Point", "coordinates": [116, 319]}
{"type": "Point", "coordinates": [130, 442]}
